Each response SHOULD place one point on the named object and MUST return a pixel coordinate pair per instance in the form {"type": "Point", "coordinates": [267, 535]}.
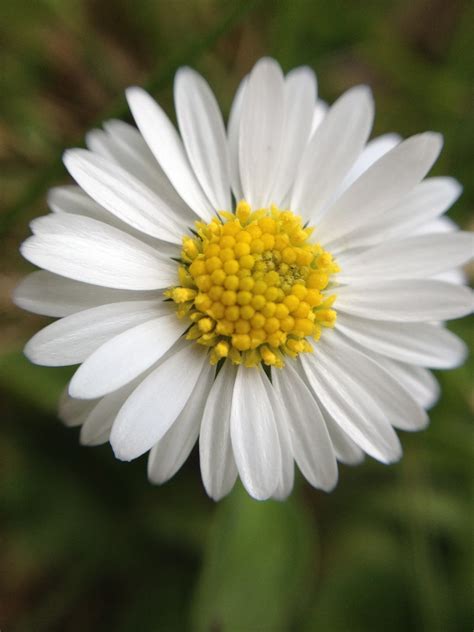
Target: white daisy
{"type": "Point", "coordinates": [276, 290]}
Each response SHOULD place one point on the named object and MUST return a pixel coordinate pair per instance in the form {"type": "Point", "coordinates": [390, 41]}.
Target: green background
{"type": "Point", "coordinates": [86, 543]}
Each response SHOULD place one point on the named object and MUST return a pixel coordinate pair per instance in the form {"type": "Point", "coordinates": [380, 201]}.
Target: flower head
{"type": "Point", "coordinates": [275, 289]}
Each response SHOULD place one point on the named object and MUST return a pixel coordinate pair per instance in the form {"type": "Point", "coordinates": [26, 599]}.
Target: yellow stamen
{"type": "Point", "coordinates": [254, 286]}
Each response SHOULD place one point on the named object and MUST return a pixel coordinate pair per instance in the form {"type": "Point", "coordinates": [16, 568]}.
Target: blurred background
{"type": "Point", "coordinates": [86, 543]}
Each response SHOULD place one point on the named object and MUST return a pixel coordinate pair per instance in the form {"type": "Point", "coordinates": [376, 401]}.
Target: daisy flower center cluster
{"type": "Point", "coordinates": [253, 286]}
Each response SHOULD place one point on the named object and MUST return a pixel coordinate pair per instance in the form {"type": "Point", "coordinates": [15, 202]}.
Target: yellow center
{"type": "Point", "coordinates": [253, 286]}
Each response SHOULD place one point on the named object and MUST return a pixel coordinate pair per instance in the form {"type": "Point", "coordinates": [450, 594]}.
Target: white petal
{"type": "Point", "coordinates": [203, 133]}
{"type": "Point", "coordinates": [164, 142]}
{"type": "Point", "coordinates": [438, 226]}
{"type": "Point", "coordinates": [426, 201]}
{"type": "Point", "coordinates": [153, 407]}
{"type": "Point", "coordinates": [411, 258]}
{"type": "Point", "coordinates": [287, 472]}
{"type": "Point", "coordinates": [172, 450]}
{"type": "Point", "coordinates": [123, 195]}
{"type": "Point", "coordinates": [233, 131]}
{"type": "Point", "coordinates": [58, 222]}
{"type": "Point", "coordinates": [72, 199]}
{"type": "Point", "coordinates": [73, 412]}
{"type": "Point", "coordinates": [96, 428]}
{"type": "Point", "coordinates": [351, 405]}
{"type": "Point", "coordinates": [320, 111]}
{"type": "Point", "coordinates": [131, 152]}
{"type": "Point", "coordinates": [86, 250]}
{"type": "Point", "coordinates": [254, 435]}
{"type": "Point", "coordinates": [98, 142]}
{"type": "Point", "coordinates": [458, 277]}
{"type": "Point", "coordinates": [374, 150]}
{"type": "Point", "coordinates": [73, 338]}
{"type": "Point", "coordinates": [45, 293]}
{"type": "Point", "coordinates": [218, 468]}
{"type": "Point", "coordinates": [345, 449]}
{"type": "Point", "coordinates": [381, 186]}
{"type": "Point", "coordinates": [124, 357]}
{"type": "Point", "coordinates": [261, 128]}
{"type": "Point", "coordinates": [337, 142]}
{"type": "Point", "coordinates": [312, 446]}
{"type": "Point", "coordinates": [417, 343]}
{"type": "Point", "coordinates": [419, 382]}
{"type": "Point", "coordinates": [399, 407]}
{"type": "Point", "coordinates": [300, 97]}
{"type": "Point", "coordinates": [405, 301]}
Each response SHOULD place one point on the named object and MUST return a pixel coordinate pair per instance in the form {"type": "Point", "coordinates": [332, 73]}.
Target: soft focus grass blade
{"type": "Point", "coordinates": [39, 386]}
{"type": "Point", "coordinates": [259, 561]}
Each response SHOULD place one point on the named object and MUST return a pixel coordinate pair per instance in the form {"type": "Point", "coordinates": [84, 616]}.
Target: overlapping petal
{"type": "Point", "coordinates": [111, 246]}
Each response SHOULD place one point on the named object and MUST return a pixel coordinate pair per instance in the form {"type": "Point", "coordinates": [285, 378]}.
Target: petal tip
{"type": "Point", "coordinates": [135, 94]}
{"type": "Point", "coordinates": [120, 445]}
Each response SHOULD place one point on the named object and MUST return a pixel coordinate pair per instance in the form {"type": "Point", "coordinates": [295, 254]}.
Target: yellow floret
{"type": "Point", "coordinates": [182, 294]}
{"type": "Point", "coordinates": [218, 277]}
{"type": "Point", "coordinates": [268, 241]}
{"type": "Point", "coordinates": [244, 297]}
{"type": "Point", "coordinates": [226, 254]}
{"type": "Point", "coordinates": [291, 301]}
{"type": "Point", "coordinates": [257, 246]}
{"type": "Point", "coordinates": [243, 211]}
{"type": "Point", "coordinates": [247, 312]}
{"type": "Point", "coordinates": [229, 297]}
{"type": "Point", "coordinates": [258, 301]}
{"type": "Point", "coordinates": [251, 285]}
{"type": "Point", "coordinates": [227, 241]}
{"type": "Point", "coordinates": [271, 294]}
{"type": "Point", "coordinates": [242, 326]}
{"type": "Point", "coordinates": [259, 287]}
{"type": "Point", "coordinates": [231, 266]}
{"type": "Point", "coordinates": [217, 310]}
{"type": "Point", "coordinates": [197, 267]}
{"type": "Point", "coordinates": [258, 321]}
{"type": "Point", "coordinates": [268, 309]}
{"type": "Point", "coordinates": [231, 282]}
{"type": "Point", "coordinates": [267, 224]}
{"type": "Point", "coordinates": [213, 263]}
{"type": "Point", "coordinates": [206, 324]}
{"type": "Point", "coordinates": [289, 255]}
{"type": "Point", "coordinates": [202, 302]}
{"type": "Point", "coordinates": [317, 280]}
{"type": "Point", "coordinates": [241, 248]}
{"type": "Point", "coordinates": [299, 291]}
{"type": "Point", "coordinates": [247, 261]}
{"type": "Point", "coordinates": [241, 341]}
{"type": "Point", "coordinates": [243, 237]}
{"type": "Point", "coordinates": [246, 283]}
{"type": "Point", "coordinates": [215, 292]}
{"type": "Point", "coordinates": [281, 311]}
{"type": "Point", "coordinates": [204, 282]}
{"type": "Point", "coordinates": [302, 310]}
{"type": "Point", "coordinates": [232, 313]}
{"type": "Point", "coordinates": [271, 325]}
{"type": "Point", "coordinates": [225, 327]}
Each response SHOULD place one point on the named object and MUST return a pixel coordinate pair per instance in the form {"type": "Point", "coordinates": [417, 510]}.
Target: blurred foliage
{"type": "Point", "coordinates": [86, 542]}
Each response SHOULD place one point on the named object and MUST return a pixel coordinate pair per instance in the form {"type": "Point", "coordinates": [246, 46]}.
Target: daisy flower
{"type": "Point", "coordinates": [275, 290]}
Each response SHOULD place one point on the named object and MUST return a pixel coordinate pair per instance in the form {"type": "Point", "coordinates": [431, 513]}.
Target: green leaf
{"type": "Point", "coordinates": [259, 562]}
